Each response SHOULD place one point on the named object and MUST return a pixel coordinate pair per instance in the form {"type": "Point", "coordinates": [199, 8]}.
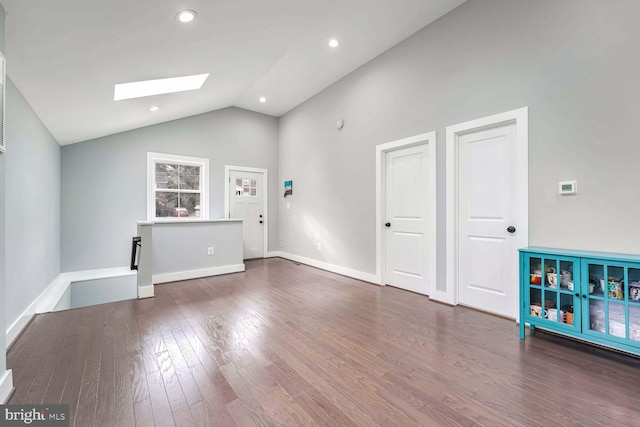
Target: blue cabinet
{"type": "Point", "coordinates": [593, 296]}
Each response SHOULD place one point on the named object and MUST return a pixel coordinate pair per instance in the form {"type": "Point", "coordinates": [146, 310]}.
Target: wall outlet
{"type": "Point", "coordinates": [319, 246]}
{"type": "Point", "coordinates": [210, 250]}
{"type": "Point", "coordinates": [288, 205]}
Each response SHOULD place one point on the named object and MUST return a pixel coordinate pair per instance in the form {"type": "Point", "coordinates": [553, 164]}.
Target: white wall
{"type": "Point", "coordinates": [104, 180]}
{"type": "Point", "coordinates": [572, 62]}
{"type": "Point", "coordinates": [32, 205]}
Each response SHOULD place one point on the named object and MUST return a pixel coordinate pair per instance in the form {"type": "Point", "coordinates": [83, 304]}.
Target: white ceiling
{"type": "Point", "coordinates": [65, 56]}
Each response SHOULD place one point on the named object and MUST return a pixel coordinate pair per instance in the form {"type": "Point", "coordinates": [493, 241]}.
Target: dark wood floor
{"type": "Point", "coordinates": [286, 344]}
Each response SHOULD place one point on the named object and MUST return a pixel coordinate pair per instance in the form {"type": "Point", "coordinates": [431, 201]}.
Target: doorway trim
{"type": "Point", "coordinates": [265, 198]}
{"type": "Point", "coordinates": [429, 139]}
{"type": "Point", "coordinates": [520, 118]}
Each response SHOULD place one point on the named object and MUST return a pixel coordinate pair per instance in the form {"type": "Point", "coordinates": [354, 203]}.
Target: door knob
{"type": "Point", "coordinates": [511, 229]}
{"type": "Point", "coordinates": [387, 224]}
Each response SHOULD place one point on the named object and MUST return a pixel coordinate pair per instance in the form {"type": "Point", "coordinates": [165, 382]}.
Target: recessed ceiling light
{"type": "Point", "coordinates": [154, 108]}
{"type": "Point", "coordinates": [334, 43]}
{"type": "Point", "coordinates": [186, 16]}
{"type": "Point", "coordinates": [262, 99]}
{"type": "Point", "coordinates": [158, 87]}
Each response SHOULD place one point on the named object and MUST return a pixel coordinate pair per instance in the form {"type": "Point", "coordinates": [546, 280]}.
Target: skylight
{"type": "Point", "coordinates": [158, 87]}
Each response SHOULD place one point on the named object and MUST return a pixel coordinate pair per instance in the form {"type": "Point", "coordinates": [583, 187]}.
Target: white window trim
{"type": "Point", "coordinates": [152, 159]}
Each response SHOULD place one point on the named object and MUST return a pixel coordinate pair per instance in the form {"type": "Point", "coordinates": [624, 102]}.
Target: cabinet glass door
{"type": "Point", "coordinates": [613, 301]}
{"type": "Point", "coordinates": [633, 297]}
{"type": "Point", "coordinates": [552, 291]}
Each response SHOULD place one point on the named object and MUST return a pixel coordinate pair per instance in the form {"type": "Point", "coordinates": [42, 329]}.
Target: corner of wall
{"type": "Point", "coordinates": [29, 142]}
{"type": "Point", "coordinates": [43, 303]}
{"type": "Point", "coordinates": [6, 378]}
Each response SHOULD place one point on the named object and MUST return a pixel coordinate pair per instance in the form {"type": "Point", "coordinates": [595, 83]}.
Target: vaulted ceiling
{"type": "Point", "coordinates": [65, 56]}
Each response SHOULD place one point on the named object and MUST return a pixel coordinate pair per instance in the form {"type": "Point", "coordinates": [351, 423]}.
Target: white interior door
{"type": "Point", "coordinates": [246, 201]}
{"type": "Point", "coordinates": [406, 198]}
{"type": "Point", "coordinates": [487, 208]}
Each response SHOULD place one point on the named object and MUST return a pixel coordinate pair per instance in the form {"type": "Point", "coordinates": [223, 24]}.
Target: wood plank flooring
{"type": "Point", "coordinates": [284, 344]}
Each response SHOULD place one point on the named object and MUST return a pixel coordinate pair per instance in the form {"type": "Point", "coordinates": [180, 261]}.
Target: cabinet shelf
{"type": "Point", "coordinates": [609, 315]}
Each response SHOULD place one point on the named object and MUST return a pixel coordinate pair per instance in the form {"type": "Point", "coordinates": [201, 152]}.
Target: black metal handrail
{"type": "Point", "coordinates": [135, 244]}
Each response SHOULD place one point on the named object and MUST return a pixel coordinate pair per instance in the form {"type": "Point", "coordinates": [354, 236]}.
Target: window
{"type": "Point", "coordinates": [177, 187]}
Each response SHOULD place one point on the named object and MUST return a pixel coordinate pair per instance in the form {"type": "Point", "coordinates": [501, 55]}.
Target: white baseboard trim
{"type": "Point", "coordinates": [441, 297]}
{"type": "Point", "coordinates": [45, 302]}
{"type": "Point", "coordinates": [145, 292]}
{"type": "Point", "coordinates": [17, 327]}
{"type": "Point", "coordinates": [49, 297]}
{"type": "Point", "coordinates": [194, 274]}
{"type": "Point", "coordinates": [344, 271]}
{"type": "Point", "coordinates": [6, 386]}
{"type": "Point", "coordinates": [272, 254]}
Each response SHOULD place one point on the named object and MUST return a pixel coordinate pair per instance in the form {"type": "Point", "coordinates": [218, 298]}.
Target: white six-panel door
{"type": "Point", "coordinates": [406, 211]}
{"type": "Point", "coordinates": [246, 202]}
{"type": "Point", "coordinates": [487, 208]}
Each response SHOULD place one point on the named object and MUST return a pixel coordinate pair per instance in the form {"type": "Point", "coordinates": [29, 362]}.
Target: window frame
{"type": "Point", "coordinates": [175, 159]}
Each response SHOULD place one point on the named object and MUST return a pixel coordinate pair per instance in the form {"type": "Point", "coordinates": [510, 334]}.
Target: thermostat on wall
{"type": "Point", "coordinates": [567, 188]}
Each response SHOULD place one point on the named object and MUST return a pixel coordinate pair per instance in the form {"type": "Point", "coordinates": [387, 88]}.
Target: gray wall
{"type": "Point", "coordinates": [32, 205]}
{"type": "Point", "coordinates": [574, 63]}
{"type": "Point", "coordinates": [102, 291]}
{"type": "Point", "coordinates": [183, 247]}
{"type": "Point", "coordinates": [3, 294]}
{"type": "Point", "coordinates": [104, 180]}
